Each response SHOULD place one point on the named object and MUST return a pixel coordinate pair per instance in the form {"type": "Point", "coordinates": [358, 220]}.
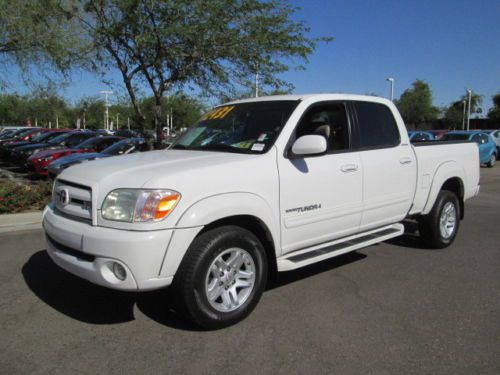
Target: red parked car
{"type": "Point", "coordinates": [38, 163]}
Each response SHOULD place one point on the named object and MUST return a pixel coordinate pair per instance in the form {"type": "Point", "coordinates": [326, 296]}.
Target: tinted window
{"type": "Point", "coordinates": [76, 139]}
{"type": "Point", "coordinates": [476, 138]}
{"type": "Point", "coordinates": [328, 120]}
{"type": "Point", "coordinates": [455, 137]}
{"type": "Point", "coordinates": [377, 127]}
{"type": "Point", "coordinates": [483, 138]}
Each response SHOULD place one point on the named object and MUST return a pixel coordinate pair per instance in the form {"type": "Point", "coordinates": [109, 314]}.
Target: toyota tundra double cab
{"type": "Point", "coordinates": [255, 187]}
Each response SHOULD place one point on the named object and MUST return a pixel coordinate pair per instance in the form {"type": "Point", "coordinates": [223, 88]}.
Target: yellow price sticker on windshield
{"type": "Point", "coordinates": [218, 113]}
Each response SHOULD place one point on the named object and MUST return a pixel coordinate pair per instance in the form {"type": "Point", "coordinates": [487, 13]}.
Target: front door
{"type": "Point", "coordinates": [321, 196]}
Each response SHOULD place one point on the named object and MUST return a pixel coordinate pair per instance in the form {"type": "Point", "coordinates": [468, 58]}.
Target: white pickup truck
{"type": "Point", "coordinates": [255, 187]}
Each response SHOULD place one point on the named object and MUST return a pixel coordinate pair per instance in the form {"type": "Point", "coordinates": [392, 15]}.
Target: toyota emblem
{"type": "Point", "coordinates": [64, 197]}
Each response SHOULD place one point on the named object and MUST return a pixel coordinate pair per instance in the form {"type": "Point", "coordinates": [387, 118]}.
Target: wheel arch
{"type": "Point", "coordinates": [256, 226]}
{"type": "Point", "coordinates": [448, 176]}
{"type": "Point", "coordinates": [245, 210]}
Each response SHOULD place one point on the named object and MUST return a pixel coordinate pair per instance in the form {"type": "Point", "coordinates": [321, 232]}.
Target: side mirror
{"type": "Point", "coordinates": [309, 145]}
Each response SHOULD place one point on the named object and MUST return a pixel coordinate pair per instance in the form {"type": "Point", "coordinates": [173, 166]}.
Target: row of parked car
{"type": "Point", "coordinates": [47, 152]}
{"type": "Point", "coordinates": [488, 141]}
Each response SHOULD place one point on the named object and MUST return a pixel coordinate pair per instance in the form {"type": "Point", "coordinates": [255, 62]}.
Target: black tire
{"type": "Point", "coordinates": [429, 225]}
{"type": "Point", "coordinates": [190, 280]}
{"type": "Point", "coordinates": [492, 161]}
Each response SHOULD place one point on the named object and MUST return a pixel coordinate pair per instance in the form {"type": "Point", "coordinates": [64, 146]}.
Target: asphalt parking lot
{"type": "Point", "coordinates": [393, 308]}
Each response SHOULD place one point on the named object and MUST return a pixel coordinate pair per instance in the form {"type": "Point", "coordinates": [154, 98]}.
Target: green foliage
{"type": "Point", "coordinates": [15, 197]}
{"type": "Point", "coordinates": [415, 105]}
{"type": "Point", "coordinates": [38, 108]}
{"type": "Point", "coordinates": [494, 112]}
{"type": "Point", "coordinates": [35, 35]}
{"type": "Point", "coordinates": [42, 107]}
{"type": "Point", "coordinates": [454, 113]}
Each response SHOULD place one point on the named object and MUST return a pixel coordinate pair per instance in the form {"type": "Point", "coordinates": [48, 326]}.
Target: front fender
{"type": "Point", "coordinates": [447, 170]}
{"type": "Point", "coordinates": [209, 210]}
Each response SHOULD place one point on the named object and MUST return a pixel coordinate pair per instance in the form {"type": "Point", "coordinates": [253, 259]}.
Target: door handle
{"type": "Point", "coordinates": [349, 168]}
{"type": "Point", "coordinates": [405, 161]}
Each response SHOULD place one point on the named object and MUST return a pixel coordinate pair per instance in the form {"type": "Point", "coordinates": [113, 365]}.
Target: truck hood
{"type": "Point", "coordinates": [153, 169]}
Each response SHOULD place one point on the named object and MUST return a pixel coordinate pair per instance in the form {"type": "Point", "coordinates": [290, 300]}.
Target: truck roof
{"type": "Point", "coordinates": [319, 97]}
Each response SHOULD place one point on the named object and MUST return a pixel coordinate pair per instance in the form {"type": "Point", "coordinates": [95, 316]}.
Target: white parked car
{"type": "Point", "coordinates": [255, 187]}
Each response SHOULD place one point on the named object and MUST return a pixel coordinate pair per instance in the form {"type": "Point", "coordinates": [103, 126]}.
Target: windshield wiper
{"type": "Point", "coordinates": [180, 147]}
{"type": "Point", "coordinates": [222, 147]}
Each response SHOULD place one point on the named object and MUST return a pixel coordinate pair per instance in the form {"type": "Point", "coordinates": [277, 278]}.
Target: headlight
{"type": "Point", "coordinates": [133, 205]}
{"type": "Point", "coordinates": [48, 158]}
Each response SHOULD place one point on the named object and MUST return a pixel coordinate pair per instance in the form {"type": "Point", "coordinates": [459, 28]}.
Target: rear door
{"type": "Point", "coordinates": [389, 166]}
{"type": "Point", "coordinates": [321, 196]}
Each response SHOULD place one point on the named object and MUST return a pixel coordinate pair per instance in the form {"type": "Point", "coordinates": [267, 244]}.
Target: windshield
{"type": "Point", "coordinates": [21, 133]}
{"type": "Point", "coordinates": [41, 137]}
{"type": "Point", "coordinates": [7, 133]}
{"type": "Point", "coordinates": [89, 143]}
{"type": "Point", "coordinates": [243, 128]}
{"type": "Point", "coordinates": [60, 138]}
{"type": "Point", "coordinates": [455, 137]}
{"type": "Point", "coordinates": [120, 148]}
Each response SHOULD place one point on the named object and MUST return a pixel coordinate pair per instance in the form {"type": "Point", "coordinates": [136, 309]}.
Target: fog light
{"type": "Point", "coordinates": [119, 271]}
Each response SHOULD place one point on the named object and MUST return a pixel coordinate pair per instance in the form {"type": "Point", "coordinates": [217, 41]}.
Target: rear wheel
{"type": "Point", "coordinates": [221, 277]}
{"type": "Point", "coordinates": [492, 162]}
{"type": "Point", "coordinates": [439, 228]}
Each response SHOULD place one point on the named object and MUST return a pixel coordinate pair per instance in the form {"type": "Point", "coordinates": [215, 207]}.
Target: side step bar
{"type": "Point", "coordinates": [317, 253]}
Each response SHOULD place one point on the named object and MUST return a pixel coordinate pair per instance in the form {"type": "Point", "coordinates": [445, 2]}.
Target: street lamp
{"type": "Point", "coordinates": [468, 110]}
{"type": "Point", "coordinates": [464, 102]}
{"type": "Point", "coordinates": [391, 80]}
{"type": "Point", "coordinates": [106, 93]}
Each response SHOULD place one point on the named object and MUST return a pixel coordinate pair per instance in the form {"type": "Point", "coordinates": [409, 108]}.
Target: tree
{"type": "Point", "coordinates": [415, 104]}
{"type": "Point", "coordinates": [40, 107]}
{"type": "Point", "coordinates": [34, 35]}
{"type": "Point", "coordinates": [494, 112]}
{"type": "Point", "coordinates": [454, 113]}
{"type": "Point", "coordinates": [215, 45]}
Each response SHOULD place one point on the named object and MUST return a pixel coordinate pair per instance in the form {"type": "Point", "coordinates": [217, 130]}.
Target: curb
{"type": "Point", "coordinates": [23, 221]}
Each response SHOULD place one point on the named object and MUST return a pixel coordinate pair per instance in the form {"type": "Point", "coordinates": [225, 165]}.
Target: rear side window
{"type": "Point", "coordinates": [377, 126]}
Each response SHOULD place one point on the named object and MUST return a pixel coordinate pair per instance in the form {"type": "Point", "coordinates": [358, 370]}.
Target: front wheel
{"type": "Point", "coordinates": [439, 228]}
{"type": "Point", "coordinates": [221, 277]}
{"type": "Point", "coordinates": [493, 160]}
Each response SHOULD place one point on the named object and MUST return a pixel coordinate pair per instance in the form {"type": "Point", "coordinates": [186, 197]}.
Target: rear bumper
{"type": "Point", "coordinates": [90, 252]}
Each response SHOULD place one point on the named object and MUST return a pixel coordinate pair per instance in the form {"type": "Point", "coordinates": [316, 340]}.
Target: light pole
{"type": "Point", "coordinates": [468, 110]}
{"type": "Point", "coordinates": [391, 80]}
{"type": "Point", "coordinates": [106, 93]}
{"type": "Point", "coordinates": [257, 82]}
{"type": "Point", "coordinates": [464, 102]}
{"type": "Point", "coordinates": [117, 124]}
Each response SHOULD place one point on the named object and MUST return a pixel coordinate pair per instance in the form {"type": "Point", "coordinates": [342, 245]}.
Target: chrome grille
{"type": "Point", "coordinates": [73, 199]}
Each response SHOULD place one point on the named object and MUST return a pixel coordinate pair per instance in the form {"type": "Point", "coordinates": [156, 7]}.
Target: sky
{"type": "Point", "coordinates": [451, 44]}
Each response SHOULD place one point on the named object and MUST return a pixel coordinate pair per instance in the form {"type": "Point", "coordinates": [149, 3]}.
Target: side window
{"type": "Point", "coordinates": [328, 120]}
{"type": "Point", "coordinates": [425, 137]}
{"type": "Point", "coordinates": [476, 138]}
{"type": "Point", "coordinates": [377, 126]}
{"type": "Point", "coordinates": [484, 139]}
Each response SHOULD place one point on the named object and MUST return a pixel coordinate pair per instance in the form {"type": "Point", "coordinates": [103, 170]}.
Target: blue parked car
{"type": "Point", "coordinates": [421, 136]}
{"type": "Point", "coordinates": [486, 144]}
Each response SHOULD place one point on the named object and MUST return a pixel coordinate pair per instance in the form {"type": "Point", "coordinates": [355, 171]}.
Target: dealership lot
{"type": "Point", "coordinates": [394, 308]}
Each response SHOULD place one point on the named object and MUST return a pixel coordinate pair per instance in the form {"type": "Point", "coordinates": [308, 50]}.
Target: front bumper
{"type": "Point", "coordinates": [90, 251]}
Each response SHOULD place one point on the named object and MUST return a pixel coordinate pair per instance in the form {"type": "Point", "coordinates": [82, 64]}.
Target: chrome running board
{"type": "Point", "coordinates": [317, 253]}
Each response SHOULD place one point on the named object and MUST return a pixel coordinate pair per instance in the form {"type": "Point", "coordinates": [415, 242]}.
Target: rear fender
{"type": "Point", "coordinates": [446, 171]}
